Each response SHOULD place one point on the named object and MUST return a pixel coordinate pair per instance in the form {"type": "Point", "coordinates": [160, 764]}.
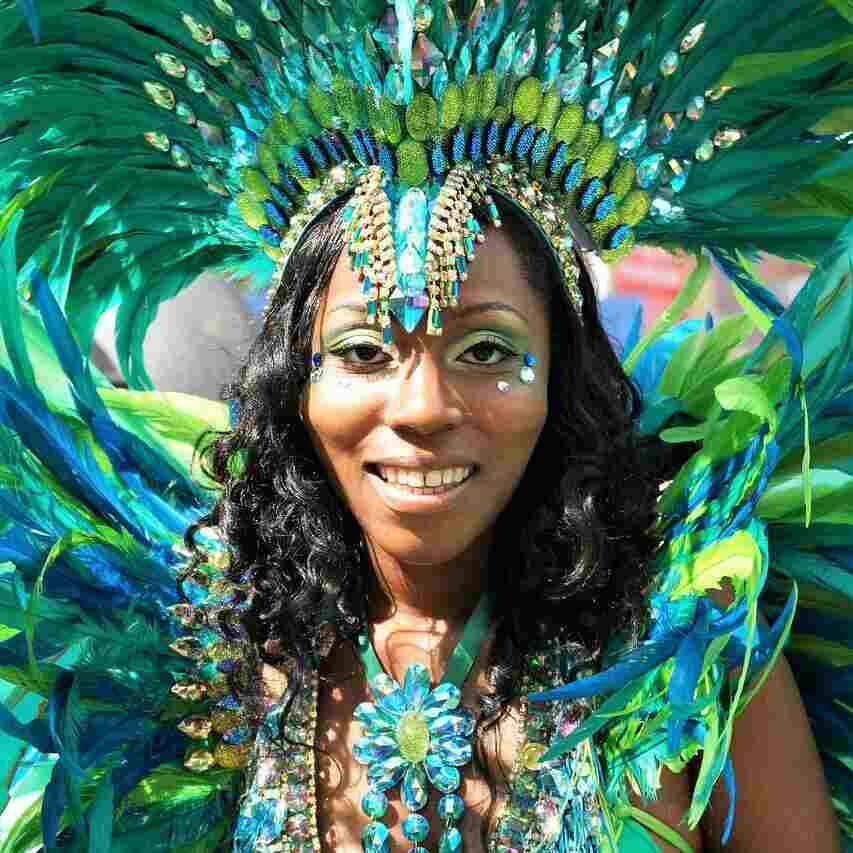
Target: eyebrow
{"type": "Point", "coordinates": [459, 313]}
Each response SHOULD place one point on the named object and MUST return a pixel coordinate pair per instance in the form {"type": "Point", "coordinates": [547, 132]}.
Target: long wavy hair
{"type": "Point", "coordinates": [573, 546]}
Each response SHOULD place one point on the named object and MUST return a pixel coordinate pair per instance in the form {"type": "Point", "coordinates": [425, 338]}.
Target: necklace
{"type": "Point", "coordinates": [417, 736]}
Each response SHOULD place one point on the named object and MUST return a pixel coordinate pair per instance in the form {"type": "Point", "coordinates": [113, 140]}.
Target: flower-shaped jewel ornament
{"type": "Point", "coordinates": [414, 734]}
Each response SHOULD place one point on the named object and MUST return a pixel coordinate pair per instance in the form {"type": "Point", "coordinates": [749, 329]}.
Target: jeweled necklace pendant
{"type": "Point", "coordinates": [418, 737]}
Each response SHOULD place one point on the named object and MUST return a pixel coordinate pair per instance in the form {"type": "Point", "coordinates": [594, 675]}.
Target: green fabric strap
{"type": "Point", "coordinates": [462, 658]}
{"type": "Point", "coordinates": [658, 827]}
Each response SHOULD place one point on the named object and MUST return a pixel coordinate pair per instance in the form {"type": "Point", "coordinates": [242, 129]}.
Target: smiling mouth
{"type": "Point", "coordinates": [420, 481]}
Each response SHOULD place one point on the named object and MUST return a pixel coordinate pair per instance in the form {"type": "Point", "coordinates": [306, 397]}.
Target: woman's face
{"type": "Point", "coordinates": [427, 445]}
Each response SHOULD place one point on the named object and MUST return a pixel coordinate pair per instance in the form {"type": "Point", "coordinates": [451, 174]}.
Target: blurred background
{"type": "Point", "coordinates": [200, 338]}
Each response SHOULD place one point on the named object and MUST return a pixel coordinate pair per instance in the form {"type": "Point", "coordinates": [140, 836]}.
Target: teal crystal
{"type": "Point", "coordinates": [195, 81]}
{"type": "Point", "coordinates": [385, 35]}
{"type": "Point", "coordinates": [374, 804]}
{"type": "Point", "coordinates": [596, 108]}
{"type": "Point", "coordinates": [376, 838]}
{"type": "Point", "coordinates": [454, 750]}
{"type": "Point", "coordinates": [440, 82]}
{"type": "Point", "coordinates": [414, 790]}
{"type": "Point", "coordinates": [180, 157]}
{"type": "Point", "coordinates": [680, 174]}
{"type": "Point", "coordinates": [551, 65]}
{"type": "Point", "coordinates": [382, 685]}
{"type": "Point", "coordinates": [705, 151]}
{"type": "Point", "coordinates": [506, 54]}
{"type": "Point", "coordinates": [395, 87]}
{"type": "Point", "coordinates": [577, 38]}
{"type": "Point", "coordinates": [405, 10]}
{"type": "Point", "coordinates": [571, 83]}
{"type": "Point", "coordinates": [370, 750]}
{"type": "Point", "coordinates": [556, 28]}
{"type": "Point", "coordinates": [319, 68]}
{"type": "Point", "coordinates": [458, 725]}
{"type": "Point", "coordinates": [464, 63]}
{"type": "Point", "coordinates": [386, 774]}
{"type": "Point", "coordinates": [648, 170]}
{"type": "Point", "coordinates": [365, 63]}
{"type": "Point", "coordinates": [604, 62]}
{"type": "Point", "coordinates": [243, 29]}
{"type": "Point", "coordinates": [394, 703]}
{"type": "Point", "coordinates": [476, 21]}
{"type": "Point", "coordinates": [633, 137]}
{"type": "Point", "coordinates": [373, 718]}
{"type": "Point", "coordinates": [616, 116]}
{"type": "Point", "coordinates": [451, 807]}
{"type": "Point", "coordinates": [270, 11]}
{"type": "Point", "coordinates": [443, 776]}
{"type": "Point", "coordinates": [669, 63]}
{"type": "Point", "coordinates": [219, 51]}
{"type": "Point", "coordinates": [695, 108]}
{"type": "Point", "coordinates": [416, 828]}
{"type": "Point", "coordinates": [445, 697]}
{"type": "Point", "coordinates": [496, 21]}
{"type": "Point", "coordinates": [448, 30]}
{"type": "Point", "coordinates": [417, 683]}
{"type": "Point", "coordinates": [666, 212]}
{"type": "Point", "coordinates": [423, 16]}
{"type": "Point", "coordinates": [185, 112]}
{"type": "Point", "coordinates": [451, 841]}
{"type": "Point", "coordinates": [525, 58]}
{"type": "Point", "coordinates": [412, 310]}
{"type": "Point", "coordinates": [621, 22]}
{"type": "Point", "coordinates": [427, 60]}
{"type": "Point", "coordinates": [410, 262]}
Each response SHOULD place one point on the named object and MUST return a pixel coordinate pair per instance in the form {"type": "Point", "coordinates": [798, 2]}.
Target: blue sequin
{"type": "Point", "coordinates": [359, 149]}
{"type": "Point", "coordinates": [317, 155]}
{"type": "Point", "coordinates": [387, 160]}
{"type": "Point", "coordinates": [619, 236]}
{"type": "Point", "coordinates": [333, 148]}
{"type": "Point", "coordinates": [281, 199]}
{"type": "Point", "coordinates": [275, 215]}
{"type": "Point", "coordinates": [288, 184]}
{"type": "Point", "coordinates": [573, 176]}
{"type": "Point", "coordinates": [540, 147]}
{"type": "Point", "coordinates": [475, 143]}
{"type": "Point", "coordinates": [270, 235]}
{"type": "Point", "coordinates": [591, 194]}
{"type": "Point", "coordinates": [525, 142]}
{"type": "Point", "coordinates": [370, 146]}
{"type": "Point", "coordinates": [558, 160]}
{"type": "Point", "coordinates": [492, 138]}
{"type": "Point", "coordinates": [511, 135]}
{"type": "Point", "coordinates": [438, 160]}
{"type": "Point", "coordinates": [301, 164]}
{"type": "Point", "coordinates": [457, 145]}
{"type": "Point", "coordinates": [605, 207]}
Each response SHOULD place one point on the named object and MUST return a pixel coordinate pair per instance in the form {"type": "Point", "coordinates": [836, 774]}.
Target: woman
{"type": "Point", "coordinates": [439, 474]}
{"type": "Point", "coordinates": [545, 503]}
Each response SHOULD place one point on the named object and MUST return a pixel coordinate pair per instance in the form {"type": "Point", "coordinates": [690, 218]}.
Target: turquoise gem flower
{"type": "Point", "coordinates": [414, 735]}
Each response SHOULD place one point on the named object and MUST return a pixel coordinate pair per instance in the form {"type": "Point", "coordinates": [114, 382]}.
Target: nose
{"type": "Point", "coordinates": [422, 402]}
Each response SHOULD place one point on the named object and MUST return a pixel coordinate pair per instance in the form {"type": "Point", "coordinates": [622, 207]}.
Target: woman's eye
{"type": "Point", "coordinates": [486, 353]}
{"type": "Point", "coordinates": [363, 355]}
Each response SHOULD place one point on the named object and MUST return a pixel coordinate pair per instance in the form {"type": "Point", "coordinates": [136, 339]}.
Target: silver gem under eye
{"type": "Point", "coordinates": [503, 387]}
{"type": "Point", "coordinates": [316, 367]}
{"type": "Point", "coordinates": [528, 374]}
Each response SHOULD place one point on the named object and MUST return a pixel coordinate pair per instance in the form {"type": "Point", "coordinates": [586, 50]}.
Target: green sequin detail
{"type": "Point", "coordinates": [601, 159]}
{"type": "Point", "coordinates": [569, 124]}
{"type": "Point", "coordinates": [412, 163]}
{"type": "Point", "coordinates": [527, 100]}
{"type": "Point", "coordinates": [413, 736]}
{"type": "Point", "coordinates": [621, 184]}
{"type": "Point", "coordinates": [471, 98]}
{"type": "Point", "coordinates": [321, 105]}
{"type": "Point", "coordinates": [549, 111]}
{"type": "Point", "coordinates": [488, 94]}
{"type": "Point", "coordinates": [349, 102]}
{"type": "Point", "coordinates": [451, 107]}
{"type": "Point", "coordinates": [422, 117]}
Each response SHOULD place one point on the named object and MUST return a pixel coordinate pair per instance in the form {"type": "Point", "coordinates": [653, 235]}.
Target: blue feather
{"type": "Point", "coordinates": [53, 806]}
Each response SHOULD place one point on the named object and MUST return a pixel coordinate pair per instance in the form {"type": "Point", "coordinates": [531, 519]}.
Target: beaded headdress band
{"type": "Point", "coordinates": [422, 117]}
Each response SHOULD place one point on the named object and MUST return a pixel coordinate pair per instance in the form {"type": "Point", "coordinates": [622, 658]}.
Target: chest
{"type": "Point", "coordinates": [306, 793]}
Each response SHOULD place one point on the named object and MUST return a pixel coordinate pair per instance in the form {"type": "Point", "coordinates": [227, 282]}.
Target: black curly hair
{"type": "Point", "coordinates": [573, 546]}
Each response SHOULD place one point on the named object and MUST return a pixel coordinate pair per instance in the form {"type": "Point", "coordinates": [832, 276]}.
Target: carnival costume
{"type": "Point", "coordinates": [144, 141]}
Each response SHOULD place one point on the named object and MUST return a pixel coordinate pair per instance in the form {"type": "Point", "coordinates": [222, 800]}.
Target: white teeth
{"type": "Point", "coordinates": [424, 479]}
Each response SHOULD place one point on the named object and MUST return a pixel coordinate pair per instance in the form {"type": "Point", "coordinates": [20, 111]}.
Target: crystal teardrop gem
{"type": "Point", "coordinates": [454, 750]}
{"type": "Point", "coordinates": [506, 54]}
{"type": "Point", "coordinates": [604, 62]}
{"type": "Point", "coordinates": [376, 838]}
{"type": "Point", "coordinates": [369, 750]}
{"type": "Point", "coordinates": [451, 841]}
{"type": "Point", "coordinates": [705, 151]}
{"type": "Point", "coordinates": [445, 697]}
{"type": "Point", "coordinates": [648, 170]}
{"type": "Point", "coordinates": [616, 117]}
{"type": "Point", "coordinates": [414, 790]}
{"type": "Point", "coordinates": [171, 65]}
{"type": "Point", "coordinates": [634, 137]}
{"type": "Point", "coordinates": [443, 777]}
{"type": "Point", "coordinates": [373, 718]}
{"type": "Point", "coordinates": [417, 682]}
{"type": "Point", "coordinates": [458, 725]}
{"type": "Point", "coordinates": [382, 685]}
{"type": "Point", "coordinates": [388, 773]}
{"type": "Point", "coordinates": [525, 57]}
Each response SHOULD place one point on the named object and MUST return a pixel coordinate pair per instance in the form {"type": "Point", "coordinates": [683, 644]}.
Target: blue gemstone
{"type": "Point", "coordinates": [457, 145]}
{"type": "Point", "coordinates": [492, 137]}
{"type": "Point", "coordinates": [615, 119]}
{"type": "Point", "coordinates": [438, 160]}
{"type": "Point", "coordinates": [511, 135]}
{"type": "Point", "coordinates": [370, 750]}
{"type": "Point", "coordinates": [540, 147]}
{"type": "Point", "coordinates": [529, 360]}
{"type": "Point", "coordinates": [619, 236]}
{"type": "Point", "coordinates": [605, 207]}
{"type": "Point", "coordinates": [270, 235]}
{"type": "Point", "coordinates": [525, 141]}
{"type": "Point", "coordinates": [451, 841]}
{"type": "Point", "coordinates": [416, 828]}
{"type": "Point", "coordinates": [443, 776]}
{"type": "Point", "coordinates": [458, 724]}
{"type": "Point", "coordinates": [275, 215]}
{"type": "Point", "coordinates": [648, 170]}
{"type": "Point", "coordinates": [475, 143]}
{"type": "Point", "coordinates": [317, 359]}
{"type": "Point", "coordinates": [445, 697]}
{"type": "Point", "coordinates": [387, 160]}
{"type": "Point", "coordinates": [370, 145]}
{"type": "Point", "coordinates": [386, 774]}
{"type": "Point", "coordinates": [454, 750]}
{"type": "Point", "coordinates": [376, 838]}
{"type": "Point", "coordinates": [634, 137]}
{"type": "Point", "coordinates": [558, 160]}
{"type": "Point", "coordinates": [414, 790]}
{"type": "Point", "coordinates": [451, 807]}
{"type": "Point", "coordinates": [680, 180]}
{"type": "Point", "coordinates": [316, 153]}
{"type": "Point", "coordinates": [374, 804]}
{"type": "Point", "coordinates": [417, 682]}
{"type": "Point", "coordinates": [573, 176]}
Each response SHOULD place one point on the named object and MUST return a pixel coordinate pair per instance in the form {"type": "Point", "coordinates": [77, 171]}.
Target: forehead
{"type": "Point", "coordinates": [497, 274]}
